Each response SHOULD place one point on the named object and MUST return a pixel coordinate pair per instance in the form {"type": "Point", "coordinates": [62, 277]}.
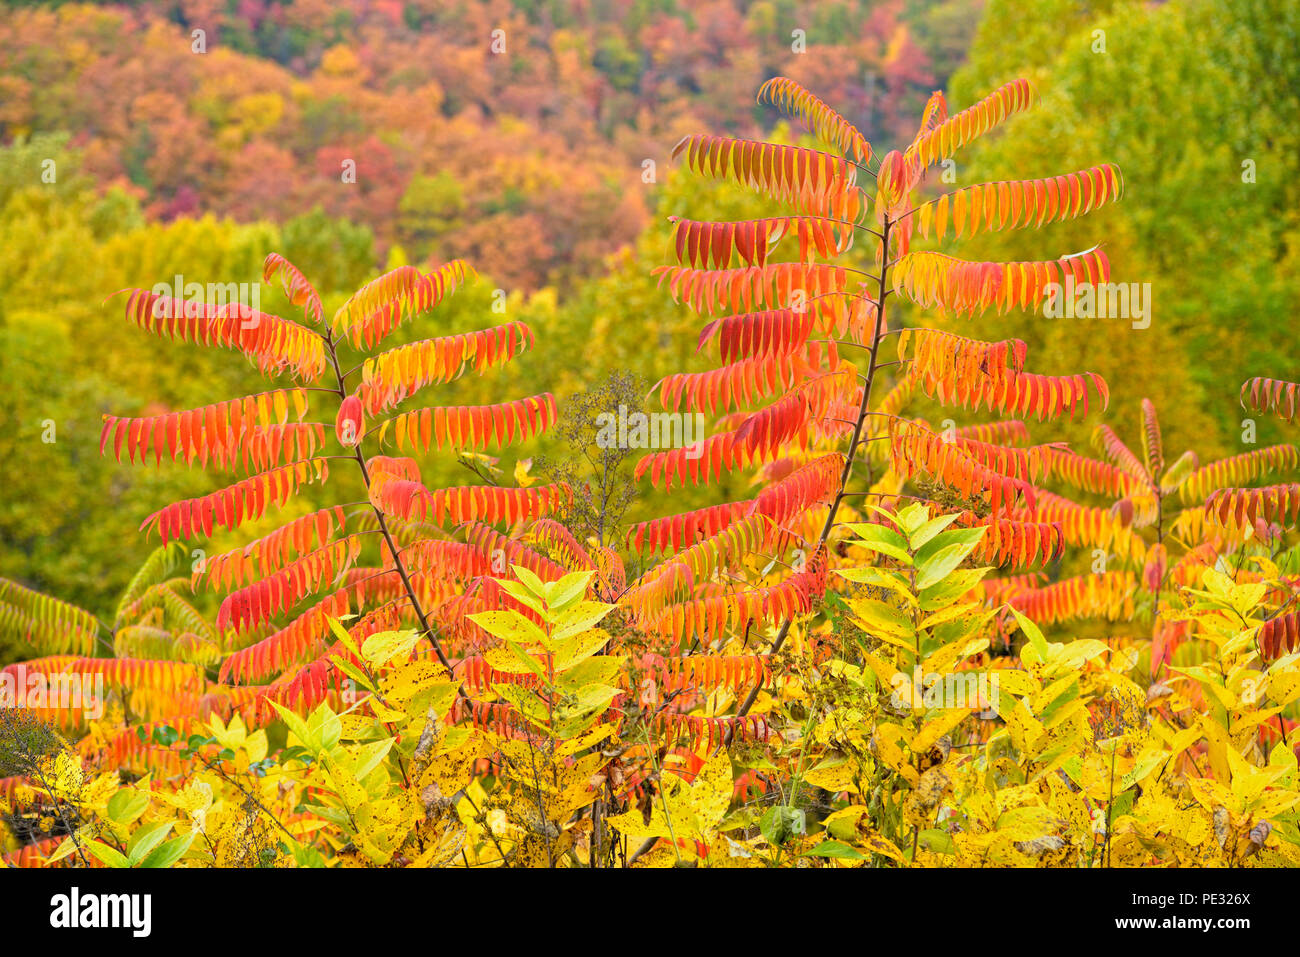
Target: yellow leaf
{"type": "Point", "coordinates": [834, 776]}
{"type": "Point", "coordinates": [522, 478]}
{"type": "Point", "coordinates": [937, 727]}
{"type": "Point", "coordinates": [385, 646]}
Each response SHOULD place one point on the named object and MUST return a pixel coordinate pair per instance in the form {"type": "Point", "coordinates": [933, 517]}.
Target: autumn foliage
{"type": "Point", "coordinates": [910, 644]}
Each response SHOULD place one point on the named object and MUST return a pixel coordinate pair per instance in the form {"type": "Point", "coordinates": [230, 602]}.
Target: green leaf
{"type": "Point", "coordinates": [386, 646]}
{"type": "Point", "coordinates": [368, 756]}
{"type": "Point", "coordinates": [970, 608]}
{"type": "Point", "coordinates": [526, 659]}
{"type": "Point", "coordinates": [146, 839]}
{"type": "Point", "coordinates": [353, 672]}
{"type": "Point", "coordinates": [884, 540]}
{"type": "Point", "coordinates": [578, 648]}
{"type": "Point", "coordinates": [837, 849]}
{"type": "Point", "coordinates": [600, 669]}
{"type": "Point", "coordinates": [127, 805]}
{"type": "Point", "coordinates": [568, 589]}
{"type": "Point", "coordinates": [530, 581]}
{"type": "Point", "coordinates": [594, 697]}
{"type": "Point", "coordinates": [307, 856]}
{"type": "Point", "coordinates": [781, 823]}
{"type": "Point", "coordinates": [336, 815]}
{"type": "Point", "coordinates": [933, 527]}
{"type": "Point", "coordinates": [342, 635]}
{"type": "Point", "coordinates": [1056, 695]}
{"type": "Point", "coordinates": [519, 593]}
{"type": "Point", "coordinates": [1026, 823]}
{"type": "Point", "coordinates": [69, 846]}
{"type": "Point", "coordinates": [880, 578]}
{"type": "Point", "coordinates": [107, 855]}
{"type": "Point", "coordinates": [1145, 765]}
{"type": "Point", "coordinates": [1032, 632]}
{"type": "Point", "coordinates": [166, 735]}
{"type": "Point", "coordinates": [950, 589]}
{"type": "Point", "coordinates": [909, 519]}
{"type": "Point", "coordinates": [579, 618]}
{"type": "Point", "coordinates": [876, 618]}
{"type": "Point", "coordinates": [296, 725]}
{"type": "Point", "coordinates": [169, 853]}
{"type": "Point", "coordinates": [524, 701]}
{"type": "Point", "coordinates": [510, 626]}
{"type": "Point", "coordinates": [938, 841]}
{"type": "Point", "coordinates": [935, 568]}
{"type": "Point", "coordinates": [324, 726]}
{"type": "Point", "coordinates": [954, 536]}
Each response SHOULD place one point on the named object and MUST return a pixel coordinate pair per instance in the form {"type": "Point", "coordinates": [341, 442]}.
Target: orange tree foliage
{"type": "Point", "coordinates": [524, 158]}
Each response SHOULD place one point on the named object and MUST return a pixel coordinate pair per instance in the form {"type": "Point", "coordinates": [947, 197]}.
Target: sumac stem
{"type": "Point", "coordinates": [379, 516]}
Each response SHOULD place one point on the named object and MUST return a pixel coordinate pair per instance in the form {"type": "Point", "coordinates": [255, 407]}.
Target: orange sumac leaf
{"type": "Point", "coordinates": [1271, 395]}
{"type": "Point", "coordinates": [231, 506]}
{"type": "Point", "coordinates": [255, 426]}
{"type": "Point", "coordinates": [810, 181]}
{"type": "Point", "coordinates": [473, 426]}
{"type": "Point", "coordinates": [1279, 636]}
{"type": "Point", "coordinates": [945, 138]}
{"type": "Point", "coordinates": [1246, 506]}
{"type": "Point", "coordinates": [1237, 470]}
{"type": "Point", "coordinates": [732, 386]}
{"type": "Point", "coordinates": [970, 468]}
{"type": "Point", "coordinates": [378, 307]}
{"type": "Point", "coordinates": [1108, 595]}
{"type": "Point", "coordinates": [674, 532]}
{"type": "Point", "coordinates": [390, 377]}
{"type": "Point", "coordinates": [711, 732]}
{"type": "Point", "coordinates": [262, 600]}
{"type": "Point", "coordinates": [1100, 478]}
{"type": "Point", "coordinates": [350, 424]}
{"type": "Point", "coordinates": [774, 332]}
{"type": "Point", "coordinates": [277, 345]}
{"type": "Point", "coordinates": [1084, 526]}
{"type": "Point", "coordinates": [46, 622]}
{"type": "Point", "coordinates": [772, 286]}
{"type": "Point", "coordinates": [668, 581]}
{"type": "Point", "coordinates": [296, 286]}
{"type": "Point", "coordinates": [831, 128]}
{"type": "Point", "coordinates": [934, 280]}
{"type": "Point", "coordinates": [272, 551]}
{"type": "Point", "coordinates": [409, 499]}
{"type": "Point", "coordinates": [713, 245]}
{"type": "Point", "coordinates": [991, 207]}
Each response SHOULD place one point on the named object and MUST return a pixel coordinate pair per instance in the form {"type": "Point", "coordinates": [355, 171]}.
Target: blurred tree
{"type": "Point", "coordinates": [323, 246]}
{"type": "Point", "coordinates": [432, 206]}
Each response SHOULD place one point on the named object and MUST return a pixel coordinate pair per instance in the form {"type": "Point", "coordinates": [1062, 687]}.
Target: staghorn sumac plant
{"type": "Point", "coordinates": [284, 587]}
{"type": "Point", "coordinates": [796, 307]}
